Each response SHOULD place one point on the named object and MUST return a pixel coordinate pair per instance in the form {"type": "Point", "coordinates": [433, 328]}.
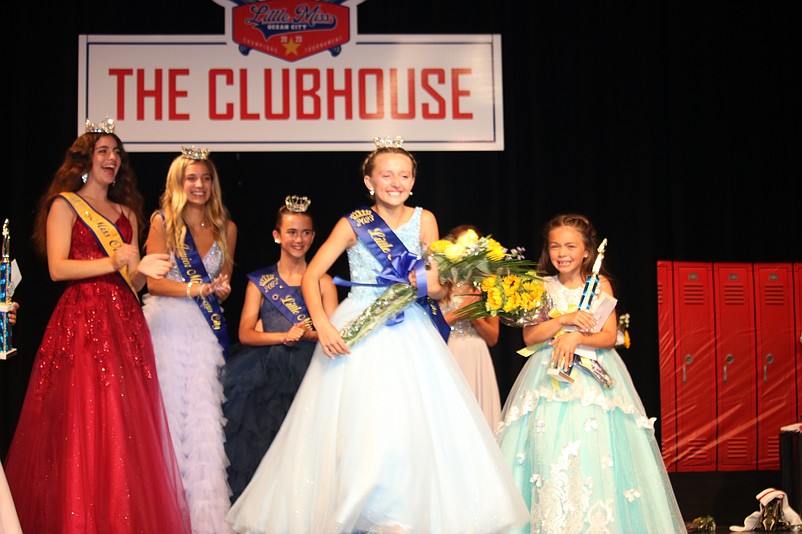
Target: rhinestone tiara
{"type": "Point", "coordinates": [107, 126]}
{"type": "Point", "coordinates": [297, 204]}
{"type": "Point", "coordinates": [195, 153]}
{"type": "Point", "coordinates": [388, 142]}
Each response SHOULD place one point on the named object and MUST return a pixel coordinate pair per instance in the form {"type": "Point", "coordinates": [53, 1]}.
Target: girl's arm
{"type": "Point", "coordinates": [565, 345]}
{"type": "Point", "coordinates": [221, 285]}
{"type": "Point", "coordinates": [157, 244]}
{"type": "Point", "coordinates": [488, 329]}
{"type": "Point", "coordinates": [429, 233]}
{"type": "Point", "coordinates": [60, 219]}
{"type": "Point", "coordinates": [250, 332]}
{"type": "Point", "coordinates": [341, 237]}
{"type": "Point", "coordinates": [328, 292]}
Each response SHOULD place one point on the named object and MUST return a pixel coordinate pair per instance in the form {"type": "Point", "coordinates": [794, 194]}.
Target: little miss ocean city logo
{"type": "Point", "coordinates": [294, 75]}
{"type": "Point", "coordinates": [290, 29]}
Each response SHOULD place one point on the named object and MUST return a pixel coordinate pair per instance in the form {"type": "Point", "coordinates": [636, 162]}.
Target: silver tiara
{"type": "Point", "coordinates": [107, 126]}
{"type": "Point", "coordinates": [388, 142]}
{"type": "Point", "coordinates": [195, 153]}
{"type": "Point", "coordinates": [297, 204]}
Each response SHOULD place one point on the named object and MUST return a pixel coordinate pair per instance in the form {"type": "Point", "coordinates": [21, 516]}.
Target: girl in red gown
{"type": "Point", "coordinates": [92, 452]}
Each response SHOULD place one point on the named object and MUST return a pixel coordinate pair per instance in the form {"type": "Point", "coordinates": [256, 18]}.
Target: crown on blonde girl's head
{"type": "Point", "coordinates": [388, 142]}
{"type": "Point", "coordinates": [193, 152]}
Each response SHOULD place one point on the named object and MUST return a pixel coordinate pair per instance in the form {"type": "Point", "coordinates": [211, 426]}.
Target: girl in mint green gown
{"type": "Point", "coordinates": [584, 456]}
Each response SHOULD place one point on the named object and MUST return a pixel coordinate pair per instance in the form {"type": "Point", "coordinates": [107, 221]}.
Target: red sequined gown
{"type": "Point", "coordinates": [92, 451]}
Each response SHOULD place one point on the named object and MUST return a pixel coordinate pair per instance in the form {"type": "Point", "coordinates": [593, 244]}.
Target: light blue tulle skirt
{"type": "Point", "coordinates": [386, 439]}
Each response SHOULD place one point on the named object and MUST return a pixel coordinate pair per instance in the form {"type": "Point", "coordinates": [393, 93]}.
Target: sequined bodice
{"type": "Point", "coordinates": [456, 301]}
{"type": "Point", "coordinates": [564, 299]}
{"type": "Point", "coordinates": [84, 245]}
{"type": "Point", "coordinates": [212, 261]}
{"type": "Point", "coordinates": [364, 267]}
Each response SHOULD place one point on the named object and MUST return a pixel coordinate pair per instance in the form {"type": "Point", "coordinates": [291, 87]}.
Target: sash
{"type": "Point", "coordinates": [106, 233]}
{"type": "Point", "coordinates": [190, 265]}
{"type": "Point", "coordinates": [287, 299]}
{"type": "Point", "coordinates": [397, 263]}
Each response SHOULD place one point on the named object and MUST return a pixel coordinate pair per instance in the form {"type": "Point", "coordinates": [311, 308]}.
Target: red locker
{"type": "Point", "coordinates": [777, 398]}
{"type": "Point", "coordinates": [695, 366]}
{"type": "Point", "coordinates": [798, 336]}
{"type": "Point", "coordinates": [668, 375]}
{"type": "Point", "coordinates": [735, 354]}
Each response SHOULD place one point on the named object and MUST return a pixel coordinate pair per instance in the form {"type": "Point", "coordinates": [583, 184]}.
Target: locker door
{"type": "Point", "coordinates": [735, 353]}
{"type": "Point", "coordinates": [776, 391]}
{"type": "Point", "coordinates": [695, 366]}
{"type": "Point", "coordinates": [668, 375]}
{"type": "Point", "coordinates": [798, 336]}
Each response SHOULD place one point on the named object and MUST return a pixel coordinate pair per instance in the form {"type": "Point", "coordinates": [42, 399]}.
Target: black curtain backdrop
{"type": "Point", "coordinates": [675, 126]}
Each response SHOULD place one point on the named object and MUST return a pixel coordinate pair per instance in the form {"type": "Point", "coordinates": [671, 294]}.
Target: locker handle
{"type": "Point", "coordinates": [729, 359]}
{"type": "Point", "coordinates": [769, 359]}
{"type": "Point", "coordinates": [688, 360]}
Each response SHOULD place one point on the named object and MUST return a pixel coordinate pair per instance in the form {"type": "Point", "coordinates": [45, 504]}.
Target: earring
{"type": "Point", "coordinates": [411, 193]}
{"type": "Point", "coordinates": [372, 192]}
{"type": "Point", "coordinates": [84, 177]}
{"type": "Point", "coordinates": [114, 182]}
{"type": "Point", "coordinates": [277, 241]}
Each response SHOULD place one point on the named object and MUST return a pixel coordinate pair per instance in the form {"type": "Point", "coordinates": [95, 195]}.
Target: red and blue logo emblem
{"type": "Point", "coordinates": [290, 29]}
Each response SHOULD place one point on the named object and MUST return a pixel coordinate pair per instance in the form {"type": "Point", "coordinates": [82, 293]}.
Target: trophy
{"type": "Point", "coordinates": [585, 358]}
{"type": "Point", "coordinates": [6, 291]}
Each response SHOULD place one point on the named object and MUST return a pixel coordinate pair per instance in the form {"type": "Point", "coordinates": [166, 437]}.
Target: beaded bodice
{"type": "Point", "coordinates": [462, 328]}
{"type": "Point", "coordinates": [564, 299]}
{"type": "Point", "coordinates": [364, 267]}
{"type": "Point", "coordinates": [212, 261]}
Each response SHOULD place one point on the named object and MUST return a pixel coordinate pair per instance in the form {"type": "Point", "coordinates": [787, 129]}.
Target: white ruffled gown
{"type": "Point", "coordinates": [189, 360]}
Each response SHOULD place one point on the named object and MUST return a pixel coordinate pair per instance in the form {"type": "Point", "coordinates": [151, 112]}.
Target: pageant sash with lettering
{"type": "Point", "coordinates": [396, 261]}
{"type": "Point", "coordinates": [105, 231]}
{"type": "Point", "coordinates": [287, 299]}
{"type": "Point", "coordinates": [190, 265]}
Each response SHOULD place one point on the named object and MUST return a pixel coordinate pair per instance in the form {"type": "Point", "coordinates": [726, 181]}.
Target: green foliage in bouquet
{"type": "Point", "coordinates": [510, 285]}
{"type": "Point", "coordinates": [393, 301]}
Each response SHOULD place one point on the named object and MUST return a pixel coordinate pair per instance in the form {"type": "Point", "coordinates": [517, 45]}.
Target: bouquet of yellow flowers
{"type": "Point", "coordinates": [510, 286]}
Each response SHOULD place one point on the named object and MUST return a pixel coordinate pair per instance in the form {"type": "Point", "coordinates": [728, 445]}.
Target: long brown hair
{"type": "Point", "coordinates": [77, 161]}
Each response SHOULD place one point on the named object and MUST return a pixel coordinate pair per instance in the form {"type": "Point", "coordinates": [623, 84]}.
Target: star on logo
{"type": "Point", "coordinates": [291, 47]}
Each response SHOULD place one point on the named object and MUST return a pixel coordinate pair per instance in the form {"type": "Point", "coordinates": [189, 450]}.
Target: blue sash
{"type": "Point", "coordinates": [397, 263]}
{"type": "Point", "coordinates": [287, 299]}
{"type": "Point", "coordinates": [190, 265]}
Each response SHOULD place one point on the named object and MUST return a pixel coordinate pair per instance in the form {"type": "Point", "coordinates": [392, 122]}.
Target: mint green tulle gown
{"type": "Point", "coordinates": [585, 458]}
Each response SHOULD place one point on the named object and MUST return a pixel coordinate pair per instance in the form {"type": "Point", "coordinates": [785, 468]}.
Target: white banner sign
{"type": "Point", "coordinates": [291, 75]}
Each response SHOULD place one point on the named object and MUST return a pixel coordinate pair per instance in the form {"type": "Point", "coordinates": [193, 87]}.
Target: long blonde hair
{"type": "Point", "coordinates": [173, 202]}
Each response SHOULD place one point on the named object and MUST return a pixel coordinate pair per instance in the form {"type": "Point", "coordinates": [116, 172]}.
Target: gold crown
{"type": "Point", "coordinates": [195, 153]}
{"type": "Point", "coordinates": [388, 142]}
{"type": "Point", "coordinates": [107, 126]}
{"type": "Point", "coordinates": [297, 204]}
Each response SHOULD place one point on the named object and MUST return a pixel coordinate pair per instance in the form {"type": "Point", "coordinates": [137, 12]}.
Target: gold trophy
{"type": "Point", "coordinates": [6, 291]}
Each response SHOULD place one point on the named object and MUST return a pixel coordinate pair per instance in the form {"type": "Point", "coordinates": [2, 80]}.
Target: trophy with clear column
{"type": "Point", "coordinates": [6, 292]}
